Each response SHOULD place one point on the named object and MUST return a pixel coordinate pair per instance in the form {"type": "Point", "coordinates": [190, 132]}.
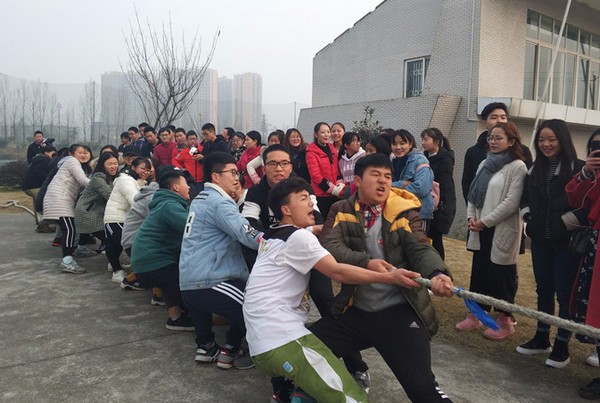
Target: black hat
{"type": "Point", "coordinates": [164, 170]}
{"type": "Point", "coordinates": [130, 151]}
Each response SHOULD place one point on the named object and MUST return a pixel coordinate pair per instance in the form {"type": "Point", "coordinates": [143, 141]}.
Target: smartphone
{"type": "Point", "coordinates": [594, 146]}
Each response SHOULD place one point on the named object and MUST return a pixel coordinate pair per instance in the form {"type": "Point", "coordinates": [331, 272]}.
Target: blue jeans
{"type": "Point", "coordinates": [555, 269]}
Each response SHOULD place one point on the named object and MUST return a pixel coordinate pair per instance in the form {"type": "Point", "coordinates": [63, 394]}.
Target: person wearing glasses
{"type": "Point", "coordinates": [495, 226]}
{"type": "Point", "coordinates": [212, 269]}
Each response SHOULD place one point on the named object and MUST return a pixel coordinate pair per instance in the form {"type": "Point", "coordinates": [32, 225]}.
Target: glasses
{"type": "Point", "coordinates": [234, 172]}
{"type": "Point", "coordinates": [275, 164]}
{"type": "Point", "coordinates": [495, 139]}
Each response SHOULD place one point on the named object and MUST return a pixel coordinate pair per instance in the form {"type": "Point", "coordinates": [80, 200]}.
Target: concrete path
{"type": "Point", "coordinates": [81, 338]}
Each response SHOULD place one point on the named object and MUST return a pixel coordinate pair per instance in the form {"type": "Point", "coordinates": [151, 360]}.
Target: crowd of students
{"type": "Point", "coordinates": [274, 223]}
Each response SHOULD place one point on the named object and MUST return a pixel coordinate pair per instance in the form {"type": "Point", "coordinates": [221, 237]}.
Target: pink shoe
{"type": "Point", "coordinates": [468, 324]}
{"type": "Point", "coordinates": [506, 329]}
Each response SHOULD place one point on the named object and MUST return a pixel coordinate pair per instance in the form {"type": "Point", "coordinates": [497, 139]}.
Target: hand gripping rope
{"type": "Point", "coordinates": [469, 296]}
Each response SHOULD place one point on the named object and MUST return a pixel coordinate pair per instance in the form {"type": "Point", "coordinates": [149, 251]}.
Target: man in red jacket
{"type": "Point", "coordinates": [163, 152]}
{"type": "Point", "coordinates": [189, 157]}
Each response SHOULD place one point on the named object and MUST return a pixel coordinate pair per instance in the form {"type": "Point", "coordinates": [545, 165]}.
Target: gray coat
{"type": "Point", "coordinates": [139, 211]}
{"type": "Point", "coordinates": [89, 211]}
{"type": "Point", "coordinates": [64, 189]}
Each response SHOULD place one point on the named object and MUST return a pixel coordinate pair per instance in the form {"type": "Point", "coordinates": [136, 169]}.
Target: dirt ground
{"type": "Point", "coordinates": [451, 311]}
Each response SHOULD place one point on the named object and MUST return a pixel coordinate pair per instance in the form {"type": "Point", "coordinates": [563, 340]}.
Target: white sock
{"type": "Point", "coordinates": [68, 259]}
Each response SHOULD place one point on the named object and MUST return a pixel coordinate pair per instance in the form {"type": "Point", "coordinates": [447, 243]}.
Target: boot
{"type": "Point", "coordinates": [468, 324]}
{"type": "Point", "coordinates": [540, 344]}
{"type": "Point", "coordinates": [506, 328]}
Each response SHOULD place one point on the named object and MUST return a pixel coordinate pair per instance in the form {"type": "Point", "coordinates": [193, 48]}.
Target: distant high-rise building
{"type": "Point", "coordinates": [248, 101]}
{"type": "Point", "coordinates": [225, 113]}
{"type": "Point", "coordinates": [204, 107]}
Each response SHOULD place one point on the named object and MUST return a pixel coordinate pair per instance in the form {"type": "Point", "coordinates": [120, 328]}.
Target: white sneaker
{"type": "Point", "coordinates": [109, 267]}
{"type": "Point", "coordinates": [592, 360]}
{"type": "Point", "coordinates": [84, 251]}
{"type": "Point", "coordinates": [69, 265]}
{"type": "Point", "coordinates": [118, 277]}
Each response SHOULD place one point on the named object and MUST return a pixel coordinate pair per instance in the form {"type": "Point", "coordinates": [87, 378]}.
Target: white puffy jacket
{"type": "Point", "coordinates": [119, 203]}
{"type": "Point", "coordinates": [63, 191]}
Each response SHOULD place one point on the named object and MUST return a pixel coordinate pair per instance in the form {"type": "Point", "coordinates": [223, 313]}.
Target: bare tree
{"type": "Point", "coordinates": [164, 76]}
{"type": "Point", "coordinates": [4, 105]}
{"type": "Point", "coordinates": [52, 109]}
{"type": "Point", "coordinates": [88, 104]}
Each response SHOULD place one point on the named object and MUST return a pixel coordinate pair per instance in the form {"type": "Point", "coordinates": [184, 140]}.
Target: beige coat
{"type": "Point", "coordinates": [63, 191]}
{"type": "Point", "coordinates": [501, 210]}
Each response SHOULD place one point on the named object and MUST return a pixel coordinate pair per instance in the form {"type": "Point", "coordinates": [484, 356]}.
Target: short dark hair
{"type": "Point", "coordinates": [278, 134]}
{"type": "Point", "coordinates": [276, 147]}
{"type": "Point", "coordinates": [171, 128]}
{"type": "Point", "coordinates": [376, 160]}
{"type": "Point", "coordinates": [148, 129]}
{"type": "Point", "coordinates": [37, 132]}
{"type": "Point", "coordinates": [163, 129]}
{"type": "Point", "coordinates": [133, 129]}
{"type": "Point", "coordinates": [180, 129]}
{"type": "Point", "coordinates": [348, 137]}
{"type": "Point", "coordinates": [125, 135]}
{"type": "Point", "coordinates": [381, 145]}
{"type": "Point", "coordinates": [143, 124]}
{"type": "Point", "coordinates": [168, 179]}
{"type": "Point", "coordinates": [208, 126]}
{"type": "Point", "coordinates": [492, 107]}
{"type": "Point", "coordinates": [49, 148]}
{"type": "Point", "coordinates": [280, 193]}
{"type": "Point", "coordinates": [230, 131]}
{"type": "Point", "coordinates": [191, 133]}
{"type": "Point", "coordinates": [215, 162]}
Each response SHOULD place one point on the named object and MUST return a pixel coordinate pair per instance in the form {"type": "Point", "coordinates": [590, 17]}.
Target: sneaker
{"type": "Point", "coordinates": [282, 390]}
{"type": "Point", "coordinates": [109, 267]}
{"type": "Point", "coordinates": [45, 228]}
{"type": "Point", "coordinates": [363, 379]}
{"type": "Point", "coordinates": [70, 266]}
{"type": "Point", "coordinates": [227, 356]}
{"type": "Point", "coordinates": [207, 352]}
{"type": "Point", "coordinates": [506, 329]}
{"type": "Point", "coordinates": [591, 390]}
{"type": "Point", "coordinates": [182, 323]}
{"type": "Point", "coordinates": [125, 262]}
{"type": "Point", "coordinates": [132, 285]}
{"type": "Point", "coordinates": [118, 277]}
{"type": "Point", "coordinates": [84, 251]}
{"type": "Point", "coordinates": [540, 344]}
{"type": "Point", "coordinates": [244, 361]}
{"type": "Point", "coordinates": [469, 323]}
{"type": "Point", "coordinates": [158, 301]}
{"type": "Point", "coordinates": [102, 248]}
{"type": "Point", "coordinates": [559, 357]}
{"type": "Point", "coordinates": [592, 360]}
{"type": "Point", "coordinates": [56, 242]}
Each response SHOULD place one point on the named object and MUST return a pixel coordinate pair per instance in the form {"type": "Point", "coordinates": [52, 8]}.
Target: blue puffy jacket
{"type": "Point", "coordinates": [419, 176]}
{"type": "Point", "coordinates": [210, 251]}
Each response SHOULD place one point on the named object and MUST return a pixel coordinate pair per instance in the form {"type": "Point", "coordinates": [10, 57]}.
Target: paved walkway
{"type": "Point", "coordinates": [77, 338]}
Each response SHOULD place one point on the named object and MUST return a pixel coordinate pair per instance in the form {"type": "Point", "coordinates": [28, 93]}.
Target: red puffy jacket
{"type": "Point", "coordinates": [321, 169]}
{"type": "Point", "coordinates": [163, 152]}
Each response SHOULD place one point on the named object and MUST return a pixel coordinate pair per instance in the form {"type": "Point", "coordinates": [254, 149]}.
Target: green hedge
{"type": "Point", "coordinates": [11, 174]}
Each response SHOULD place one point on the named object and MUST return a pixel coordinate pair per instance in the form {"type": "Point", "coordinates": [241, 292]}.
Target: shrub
{"type": "Point", "coordinates": [11, 174]}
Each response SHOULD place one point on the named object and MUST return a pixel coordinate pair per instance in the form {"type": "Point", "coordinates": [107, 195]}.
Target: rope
{"type": "Point", "coordinates": [14, 203]}
{"type": "Point", "coordinates": [531, 313]}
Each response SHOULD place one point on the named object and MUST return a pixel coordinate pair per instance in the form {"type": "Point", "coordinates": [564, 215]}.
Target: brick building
{"type": "Point", "coordinates": [423, 63]}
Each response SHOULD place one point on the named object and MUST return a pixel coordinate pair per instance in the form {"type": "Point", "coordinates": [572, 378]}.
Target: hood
{"type": "Point", "coordinates": [146, 191]}
{"type": "Point", "coordinates": [356, 155]}
{"type": "Point", "coordinates": [398, 201]}
{"type": "Point", "coordinates": [163, 197]}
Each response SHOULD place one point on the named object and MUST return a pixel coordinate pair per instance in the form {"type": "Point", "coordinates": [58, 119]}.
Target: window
{"type": "Point", "coordinates": [575, 80]}
{"type": "Point", "coordinates": [414, 78]}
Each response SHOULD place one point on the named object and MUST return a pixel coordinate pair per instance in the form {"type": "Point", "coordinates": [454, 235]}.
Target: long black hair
{"type": "Point", "coordinates": [100, 165]}
{"type": "Point", "coordinates": [567, 154]}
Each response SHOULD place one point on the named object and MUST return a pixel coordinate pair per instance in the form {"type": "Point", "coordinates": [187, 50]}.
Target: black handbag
{"type": "Point", "coordinates": [581, 238]}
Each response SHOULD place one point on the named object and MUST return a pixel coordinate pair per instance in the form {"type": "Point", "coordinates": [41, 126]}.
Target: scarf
{"type": "Point", "coordinates": [492, 164]}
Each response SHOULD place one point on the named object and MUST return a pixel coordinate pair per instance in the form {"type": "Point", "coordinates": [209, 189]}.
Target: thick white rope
{"type": "Point", "coordinates": [531, 313]}
{"type": "Point", "coordinates": [14, 203]}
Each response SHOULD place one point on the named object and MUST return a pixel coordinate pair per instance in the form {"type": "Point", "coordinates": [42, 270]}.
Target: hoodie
{"type": "Point", "coordinates": [158, 241]}
{"type": "Point", "coordinates": [139, 211]}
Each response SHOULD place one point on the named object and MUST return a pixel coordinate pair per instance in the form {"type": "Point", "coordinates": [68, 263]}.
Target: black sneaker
{"type": "Point", "coordinates": [591, 391]}
{"type": "Point", "coordinates": [540, 344]}
{"type": "Point", "coordinates": [182, 323]}
{"type": "Point", "coordinates": [208, 352]}
{"type": "Point", "coordinates": [132, 285]}
{"type": "Point", "coordinates": [559, 357]}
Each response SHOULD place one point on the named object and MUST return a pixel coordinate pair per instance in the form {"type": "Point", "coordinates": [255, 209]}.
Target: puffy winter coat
{"type": "Point", "coordinates": [321, 169]}
{"type": "Point", "coordinates": [442, 165]}
{"type": "Point", "coordinates": [64, 189]}
{"type": "Point", "coordinates": [417, 178]}
{"type": "Point", "coordinates": [89, 211]}
{"type": "Point", "coordinates": [122, 197]}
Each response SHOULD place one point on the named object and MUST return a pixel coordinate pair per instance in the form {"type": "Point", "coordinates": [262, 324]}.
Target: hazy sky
{"type": "Point", "coordinates": [74, 41]}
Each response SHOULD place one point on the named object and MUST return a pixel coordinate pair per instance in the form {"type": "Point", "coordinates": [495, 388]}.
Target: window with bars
{"type": "Point", "coordinates": [415, 71]}
{"type": "Point", "coordinates": [575, 79]}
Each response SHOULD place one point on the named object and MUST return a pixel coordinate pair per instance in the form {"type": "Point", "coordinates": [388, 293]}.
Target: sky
{"type": "Point", "coordinates": [75, 41]}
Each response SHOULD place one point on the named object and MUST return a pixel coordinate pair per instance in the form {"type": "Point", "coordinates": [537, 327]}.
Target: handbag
{"type": "Point", "coordinates": [580, 239]}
